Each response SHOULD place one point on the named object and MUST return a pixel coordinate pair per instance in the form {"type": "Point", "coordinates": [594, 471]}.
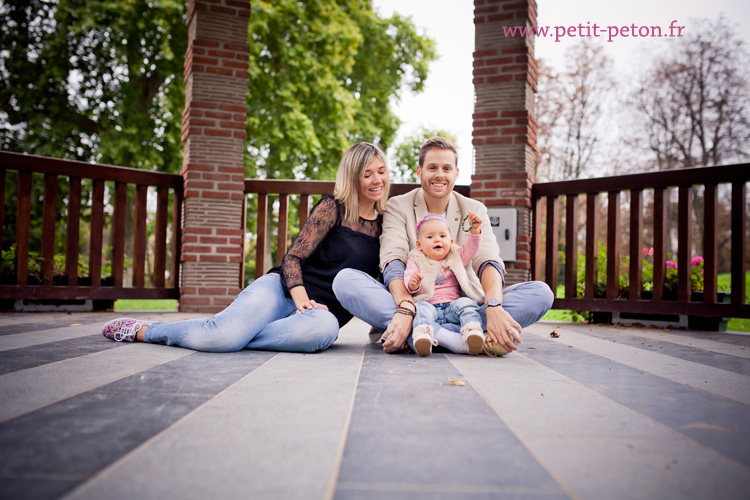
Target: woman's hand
{"type": "Point", "coordinates": [303, 301]}
{"type": "Point", "coordinates": [309, 306]}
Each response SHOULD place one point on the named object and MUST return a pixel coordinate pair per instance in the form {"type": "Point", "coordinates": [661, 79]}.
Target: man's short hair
{"type": "Point", "coordinates": [436, 143]}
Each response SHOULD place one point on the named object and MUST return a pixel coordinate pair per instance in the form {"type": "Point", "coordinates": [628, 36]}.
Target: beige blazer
{"type": "Point", "coordinates": [399, 235]}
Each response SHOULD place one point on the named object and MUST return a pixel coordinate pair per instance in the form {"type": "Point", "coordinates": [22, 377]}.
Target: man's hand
{"type": "Point", "coordinates": [397, 333]}
{"type": "Point", "coordinates": [414, 282]}
{"type": "Point", "coordinates": [400, 327]}
{"type": "Point", "coordinates": [502, 328]}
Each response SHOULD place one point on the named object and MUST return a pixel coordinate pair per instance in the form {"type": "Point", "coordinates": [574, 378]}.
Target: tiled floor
{"type": "Point", "coordinates": [596, 413]}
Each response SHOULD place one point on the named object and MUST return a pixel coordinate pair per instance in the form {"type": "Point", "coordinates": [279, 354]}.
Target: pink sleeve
{"type": "Point", "coordinates": [468, 250]}
{"type": "Point", "coordinates": [411, 268]}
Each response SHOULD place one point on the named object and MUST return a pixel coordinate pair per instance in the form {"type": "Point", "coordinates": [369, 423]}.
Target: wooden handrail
{"type": "Point", "coordinates": [304, 189]}
{"type": "Point", "coordinates": [548, 195]}
{"type": "Point", "coordinates": [664, 179]}
{"type": "Point", "coordinates": [73, 168]}
{"type": "Point", "coordinates": [76, 171]}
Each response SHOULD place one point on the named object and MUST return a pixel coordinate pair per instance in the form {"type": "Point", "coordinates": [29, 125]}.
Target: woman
{"type": "Point", "coordinates": [293, 308]}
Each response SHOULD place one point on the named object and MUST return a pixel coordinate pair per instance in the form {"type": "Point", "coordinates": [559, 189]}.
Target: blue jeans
{"type": "Point", "coordinates": [459, 312]}
{"type": "Point", "coordinates": [260, 317]}
{"type": "Point", "coordinates": [371, 302]}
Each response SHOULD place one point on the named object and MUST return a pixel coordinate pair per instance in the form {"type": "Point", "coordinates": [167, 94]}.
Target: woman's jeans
{"type": "Point", "coordinates": [260, 317]}
{"type": "Point", "coordinates": [371, 302]}
{"type": "Point", "coordinates": [459, 312]}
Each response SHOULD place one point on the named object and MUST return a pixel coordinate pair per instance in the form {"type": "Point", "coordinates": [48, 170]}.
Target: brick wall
{"type": "Point", "coordinates": [213, 130]}
{"type": "Point", "coordinates": [504, 134]}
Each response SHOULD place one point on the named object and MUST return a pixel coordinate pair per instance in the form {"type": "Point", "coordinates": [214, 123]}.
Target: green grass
{"type": "Point", "coordinates": [739, 325]}
{"type": "Point", "coordinates": [145, 305]}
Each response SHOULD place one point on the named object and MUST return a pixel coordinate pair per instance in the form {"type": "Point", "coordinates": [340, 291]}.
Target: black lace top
{"type": "Point", "coordinates": [326, 244]}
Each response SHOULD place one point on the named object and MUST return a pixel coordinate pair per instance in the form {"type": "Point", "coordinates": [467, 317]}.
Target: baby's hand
{"type": "Point", "coordinates": [414, 282]}
{"type": "Point", "coordinates": [475, 221]}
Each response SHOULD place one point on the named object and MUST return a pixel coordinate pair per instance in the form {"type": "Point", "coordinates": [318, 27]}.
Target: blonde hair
{"type": "Point", "coordinates": [351, 169]}
{"type": "Point", "coordinates": [436, 143]}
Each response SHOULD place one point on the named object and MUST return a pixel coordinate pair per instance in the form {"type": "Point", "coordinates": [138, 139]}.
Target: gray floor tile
{"type": "Point", "coordinates": [440, 494]}
{"type": "Point", "coordinates": [277, 433]}
{"type": "Point", "coordinates": [81, 435]}
{"type": "Point", "coordinates": [35, 488]}
{"type": "Point", "coordinates": [722, 361]}
{"type": "Point", "coordinates": [78, 437]}
{"type": "Point", "coordinates": [46, 323]}
{"type": "Point", "coordinates": [29, 390]}
{"type": "Point", "coordinates": [408, 412]}
{"type": "Point", "coordinates": [715, 421]}
{"type": "Point", "coordinates": [42, 354]}
{"type": "Point", "coordinates": [198, 373]}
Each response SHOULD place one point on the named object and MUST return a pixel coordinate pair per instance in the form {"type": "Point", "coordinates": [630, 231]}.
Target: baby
{"type": "Point", "coordinates": [436, 277]}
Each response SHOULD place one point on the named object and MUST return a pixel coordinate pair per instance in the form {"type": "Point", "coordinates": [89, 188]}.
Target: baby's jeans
{"type": "Point", "coordinates": [459, 312]}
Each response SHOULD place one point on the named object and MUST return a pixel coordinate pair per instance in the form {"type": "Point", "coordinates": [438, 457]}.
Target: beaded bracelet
{"type": "Point", "coordinates": [409, 301]}
{"type": "Point", "coordinates": [471, 226]}
{"type": "Point", "coordinates": [403, 310]}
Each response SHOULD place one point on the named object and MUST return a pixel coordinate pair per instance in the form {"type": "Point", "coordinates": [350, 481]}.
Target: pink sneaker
{"type": "Point", "coordinates": [123, 329]}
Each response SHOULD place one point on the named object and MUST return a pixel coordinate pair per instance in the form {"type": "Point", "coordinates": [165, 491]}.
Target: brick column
{"type": "Point", "coordinates": [504, 134]}
{"type": "Point", "coordinates": [213, 130]}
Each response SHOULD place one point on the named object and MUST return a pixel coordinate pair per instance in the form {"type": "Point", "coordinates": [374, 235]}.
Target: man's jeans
{"type": "Point", "coordinates": [371, 302]}
{"type": "Point", "coordinates": [459, 312]}
{"type": "Point", "coordinates": [260, 317]}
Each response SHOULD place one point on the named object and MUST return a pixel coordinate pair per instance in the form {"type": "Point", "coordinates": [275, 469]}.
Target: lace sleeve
{"type": "Point", "coordinates": [321, 220]}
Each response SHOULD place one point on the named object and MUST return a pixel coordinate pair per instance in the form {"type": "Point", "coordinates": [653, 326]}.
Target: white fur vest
{"type": "Point", "coordinates": [429, 269]}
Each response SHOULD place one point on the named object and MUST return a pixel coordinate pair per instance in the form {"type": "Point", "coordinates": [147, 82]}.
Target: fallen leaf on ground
{"type": "Point", "coordinates": [702, 425]}
{"type": "Point", "coordinates": [77, 324]}
{"type": "Point", "coordinates": [554, 334]}
{"type": "Point", "coordinates": [457, 382]}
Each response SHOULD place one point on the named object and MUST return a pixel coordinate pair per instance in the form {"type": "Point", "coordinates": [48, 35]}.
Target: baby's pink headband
{"type": "Point", "coordinates": [433, 217]}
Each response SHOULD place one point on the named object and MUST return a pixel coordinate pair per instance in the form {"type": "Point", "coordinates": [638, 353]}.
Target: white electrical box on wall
{"type": "Point", "coordinates": [504, 222]}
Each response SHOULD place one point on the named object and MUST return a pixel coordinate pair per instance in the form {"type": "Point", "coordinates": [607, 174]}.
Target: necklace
{"type": "Point", "coordinates": [370, 214]}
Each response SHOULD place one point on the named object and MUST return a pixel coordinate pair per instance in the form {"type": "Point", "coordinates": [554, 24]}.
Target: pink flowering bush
{"type": "Point", "coordinates": [670, 276]}
{"type": "Point", "coordinates": [670, 279]}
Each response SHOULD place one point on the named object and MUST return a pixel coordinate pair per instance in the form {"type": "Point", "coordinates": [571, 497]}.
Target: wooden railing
{"type": "Point", "coordinates": [113, 183]}
{"type": "Point", "coordinates": [545, 245]}
{"type": "Point", "coordinates": [104, 180]}
{"type": "Point", "coordinates": [303, 190]}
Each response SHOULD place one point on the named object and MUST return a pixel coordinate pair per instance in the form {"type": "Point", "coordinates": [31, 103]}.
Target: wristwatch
{"type": "Point", "coordinates": [494, 302]}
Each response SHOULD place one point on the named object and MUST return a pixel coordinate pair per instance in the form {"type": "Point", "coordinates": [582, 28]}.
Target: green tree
{"type": "Point", "coordinates": [406, 156]}
{"type": "Point", "coordinates": [97, 81]}
{"type": "Point", "coordinates": [94, 81]}
{"type": "Point", "coordinates": [323, 75]}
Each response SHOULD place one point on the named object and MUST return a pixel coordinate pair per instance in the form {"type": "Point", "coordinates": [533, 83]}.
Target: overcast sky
{"type": "Point", "coordinates": [448, 100]}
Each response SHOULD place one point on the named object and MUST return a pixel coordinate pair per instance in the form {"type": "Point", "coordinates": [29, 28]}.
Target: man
{"type": "Point", "coordinates": [505, 311]}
